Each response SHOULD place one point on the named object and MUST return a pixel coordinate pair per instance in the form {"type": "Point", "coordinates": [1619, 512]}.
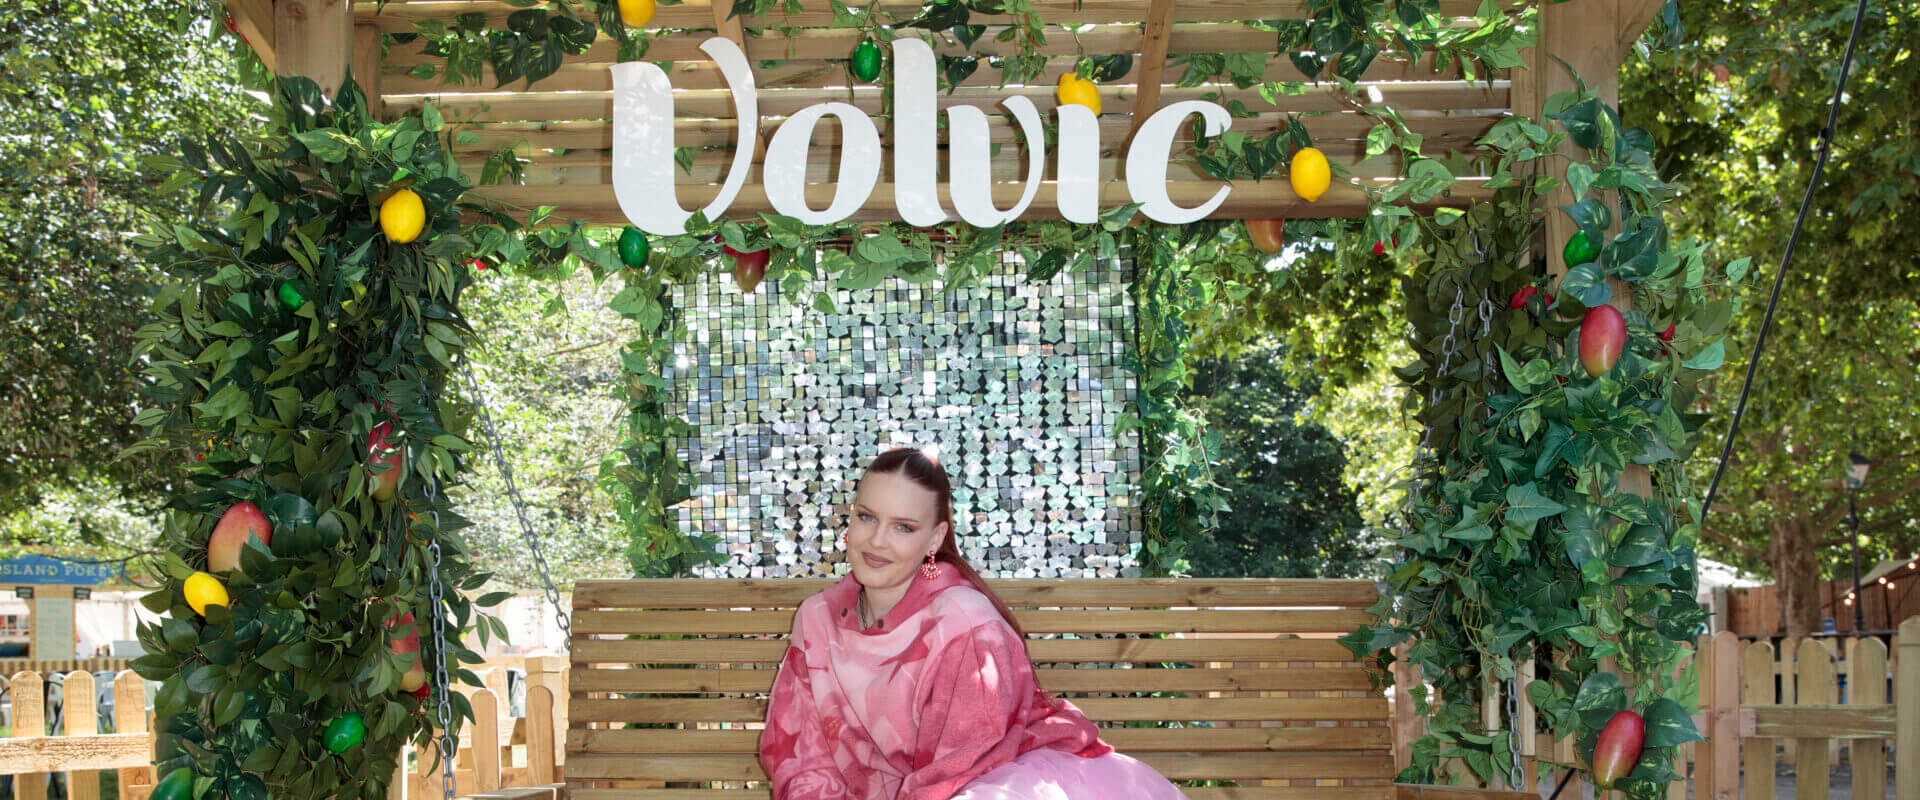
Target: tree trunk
{"type": "Point", "coordinates": [1796, 573]}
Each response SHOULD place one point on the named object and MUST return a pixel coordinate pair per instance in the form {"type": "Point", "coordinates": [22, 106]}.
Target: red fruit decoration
{"type": "Point", "coordinates": [1603, 334]}
{"type": "Point", "coordinates": [380, 452]}
{"type": "Point", "coordinates": [415, 678]}
{"type": "Point", "coordinates": [423, 692]}
{"type": "Point", "coordinates": [1380, 248]}
{"type": "Point", "coordinates": [1667, 335]}
{"type": "Point", "coordinates": [1618, 748]}
{"type": "Point", "coordinates": [748, 268]}
{"type": "Point", "coordinates": [477, 265]}
{"type": "Point", "coordinates": [1267, 235]}
{"type": "Point", "coordinates": [1520, 297]}
{"type": "Point", "coordinates": [241, 522]}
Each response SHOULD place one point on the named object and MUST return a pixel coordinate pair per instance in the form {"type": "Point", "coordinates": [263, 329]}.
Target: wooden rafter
{"type": "Point", "coordinates": [254, 18]}
{"type": "Point", "coordinates": [1153, 59]}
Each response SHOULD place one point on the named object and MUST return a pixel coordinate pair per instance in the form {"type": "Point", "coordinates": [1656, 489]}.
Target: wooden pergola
{"type": "Point", "coordinates": [562, 127]}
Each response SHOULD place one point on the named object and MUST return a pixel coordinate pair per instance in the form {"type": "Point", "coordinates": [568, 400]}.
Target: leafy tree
{"type": "Point", "coordinates": [87, 89]}
{"type": "Point", "coordinates": [1291, 515]}
{"type": "Point", "coordinates": [1737, 112]}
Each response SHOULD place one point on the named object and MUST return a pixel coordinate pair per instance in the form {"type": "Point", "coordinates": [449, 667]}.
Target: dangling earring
{"type": "Point", "coordinates": [930, 569]}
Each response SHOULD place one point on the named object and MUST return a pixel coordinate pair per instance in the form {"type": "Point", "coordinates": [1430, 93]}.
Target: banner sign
{"type": "Point", "coordinates": [643, 142]}
{"type": "Point", "coordinates": [47, 570]}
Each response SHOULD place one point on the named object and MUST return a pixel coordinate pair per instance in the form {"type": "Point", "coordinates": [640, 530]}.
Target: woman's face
{"type": "Point", "coordinates": [890, 529]}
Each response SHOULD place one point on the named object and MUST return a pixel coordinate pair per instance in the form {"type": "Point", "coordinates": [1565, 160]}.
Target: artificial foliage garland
{"type": "Point", "coordinates": [1523, 543]}
{"type": "Point", "coordinates": [300, 328]}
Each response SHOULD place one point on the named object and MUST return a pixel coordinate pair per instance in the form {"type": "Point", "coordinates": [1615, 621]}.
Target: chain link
{"type": "Point", "coordinates": [519, 508]}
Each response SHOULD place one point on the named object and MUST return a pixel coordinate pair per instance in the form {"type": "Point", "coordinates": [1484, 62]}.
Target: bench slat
{"type": "Point", "coordinates": [1175, 766]}
{"type": "Point", "coordinates": [1107, 709]}
{"type": "Point", "coordinates": [670, 681]}
{"type": "Point", "coordinates": [642, 741]}
{"type": "Point", "coordinates": [745, 651]}
{"type": "Point", "coordinates": [1103, 593]}
{"type": "Point", "coordinates": [1383, 792]}
{"type": "Point", "coordinates": [1083, 622]}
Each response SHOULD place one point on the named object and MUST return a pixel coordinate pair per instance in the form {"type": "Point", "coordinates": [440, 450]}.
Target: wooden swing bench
{"type": "Point", "coordinates": [670, 682]}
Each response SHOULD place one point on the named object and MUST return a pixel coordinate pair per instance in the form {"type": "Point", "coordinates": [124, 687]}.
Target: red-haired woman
{"type": "Point", "coordinates": [909, 679]}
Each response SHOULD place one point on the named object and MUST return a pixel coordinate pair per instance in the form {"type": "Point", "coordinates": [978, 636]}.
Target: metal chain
{"type": "Point", "coordinates": [1515, 776]}
{"type": "Point", "coordinates": [519, 507]}
{"type": "Point", "coordinates": [441, 682]}
{"type": "Point", "coordinates": [1486, 329]}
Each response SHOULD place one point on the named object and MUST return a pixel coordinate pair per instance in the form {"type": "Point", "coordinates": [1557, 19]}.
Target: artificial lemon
{"type": "Point", "coordinates": [204, 590]}
{"type": "Point", "coordinates": [636, 13]}
{"type": "Point", "coordinates": [1075, 90]}
{"type": "Point", "coordinates": [1310, 174]}
{"type": "Point", "coordinates": [402, 216]}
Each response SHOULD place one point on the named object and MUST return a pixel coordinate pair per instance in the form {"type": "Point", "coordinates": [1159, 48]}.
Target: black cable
{"type": "Point", "coordinates": [1806, 200]}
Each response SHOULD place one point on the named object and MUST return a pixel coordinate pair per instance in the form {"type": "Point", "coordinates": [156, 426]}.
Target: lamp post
{"type": "Point", "coordinates": [1857, 467]}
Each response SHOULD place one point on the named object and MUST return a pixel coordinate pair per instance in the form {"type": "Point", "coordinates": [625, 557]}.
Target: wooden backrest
{"type": "Point", "coordinates": [1250, 672]}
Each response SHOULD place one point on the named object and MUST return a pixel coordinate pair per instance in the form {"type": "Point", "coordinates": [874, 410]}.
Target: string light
{"type": "Point", "coordinates": [1849, 599]}
{"type": "Point", "coordinates": [1883, 580]}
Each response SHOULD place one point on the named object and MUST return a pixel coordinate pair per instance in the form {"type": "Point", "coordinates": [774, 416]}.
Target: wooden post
{"type": "Point", "coordinates": [486, 740]}
{"type": "Point", "coordinates": [130, 716]}
{"type": "Point", "coordinates": [1405, 724]}
{"type": "Point", "coordinates": [1723, 720]}
{"type": "Point", "coordinates": [1867, 685]}
{"type": "Point", "coordinates": [1818, 685]}
{"type": "Point", "coordinates": [314, 38]}
{"type": "Point", "coordinates": [540, 736]}
{"type": "Point", "coordinates": [29, 719]}
{"type": "Point", "coordinates": [1757, 690]}
{"type": "Point", "coordinates": [1704, 658]}
{"type": "Point", "coordinates": [397, 790]}
{"type": "Point", "coordinates": [1906, 698]}
{"type": "Point", "coordinates": [80, 716]}
{"type": "Point", "coordinates": [366, 67]}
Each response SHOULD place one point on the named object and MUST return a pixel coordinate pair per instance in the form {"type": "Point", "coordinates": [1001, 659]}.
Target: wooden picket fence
{"type": "Point", "coordinates": [1760, 704]}
{"type": "Point", "coordinates": [497, 752]}
{"type": "Point", "coordinates": [80, 750]}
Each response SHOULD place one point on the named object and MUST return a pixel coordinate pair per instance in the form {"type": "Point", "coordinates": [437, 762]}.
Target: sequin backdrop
{"type": "Point", "coordinates": [1016, 385]}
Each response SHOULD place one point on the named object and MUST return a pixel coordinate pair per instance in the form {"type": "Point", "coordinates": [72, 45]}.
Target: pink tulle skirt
{"type": "Point", "coordinates": [1046, 774]}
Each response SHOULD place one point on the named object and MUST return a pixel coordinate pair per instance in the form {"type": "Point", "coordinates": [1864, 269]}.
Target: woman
{"type": "Point", "coordinates": [909, 679]}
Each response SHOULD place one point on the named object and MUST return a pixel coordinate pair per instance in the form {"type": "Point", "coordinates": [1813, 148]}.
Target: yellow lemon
{"type": "Point", "coordinates": [1310, 174]}
{"type": "Point", "coordinates": [1075, 90]}
{"type": "Point", "coordinates": [204, 590]}
{"type": "Point", "coordinates": [636, 13]}
{"type": "Point", "coordinates": [402, 216]}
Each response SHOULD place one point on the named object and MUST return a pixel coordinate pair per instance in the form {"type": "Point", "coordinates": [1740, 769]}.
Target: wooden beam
{"type": "Point", "coordinates": [1153, 61]}
{"type": "Point", "coordinates": [1821, 721]}
{"type": "Point", "coordinates": [315, 39]}
{"type": "Point", "coordinates": [1634, 16]}
{"type": "Point", "coordinates": [1268, 199]}
{"type": "Point", "coordinates": [254, 18]}
{"type": "Point", "coordinates": [727, 25]}
{"type": "Point", "coordinates": [33, 754]}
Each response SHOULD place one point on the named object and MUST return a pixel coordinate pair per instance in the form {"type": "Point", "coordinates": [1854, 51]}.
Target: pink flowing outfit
{"type": "Point", "coordinates": [937, 701]}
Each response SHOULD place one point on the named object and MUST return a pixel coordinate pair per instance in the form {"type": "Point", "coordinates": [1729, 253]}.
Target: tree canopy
{"type": "Point", "coordinates": [1737, 111]}
{"type": "Point", "coordinates": [1291, 515]}
{"type": "Point", "coordinates": [88, 89]}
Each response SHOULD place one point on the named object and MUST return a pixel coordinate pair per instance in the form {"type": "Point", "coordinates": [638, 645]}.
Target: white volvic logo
{"type": "Point", "coordinates": [643, 163]}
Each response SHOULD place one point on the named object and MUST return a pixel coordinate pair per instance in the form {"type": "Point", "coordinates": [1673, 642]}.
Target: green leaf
{"type": "Point", "coordinates": [1669, 725]}
{"type": "Point", "coordinates": [1599, 699]}
{"type": "Point", "coordinates": [1710, 358]}
{"type": "Point", "coordinates": [1525, 505]}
